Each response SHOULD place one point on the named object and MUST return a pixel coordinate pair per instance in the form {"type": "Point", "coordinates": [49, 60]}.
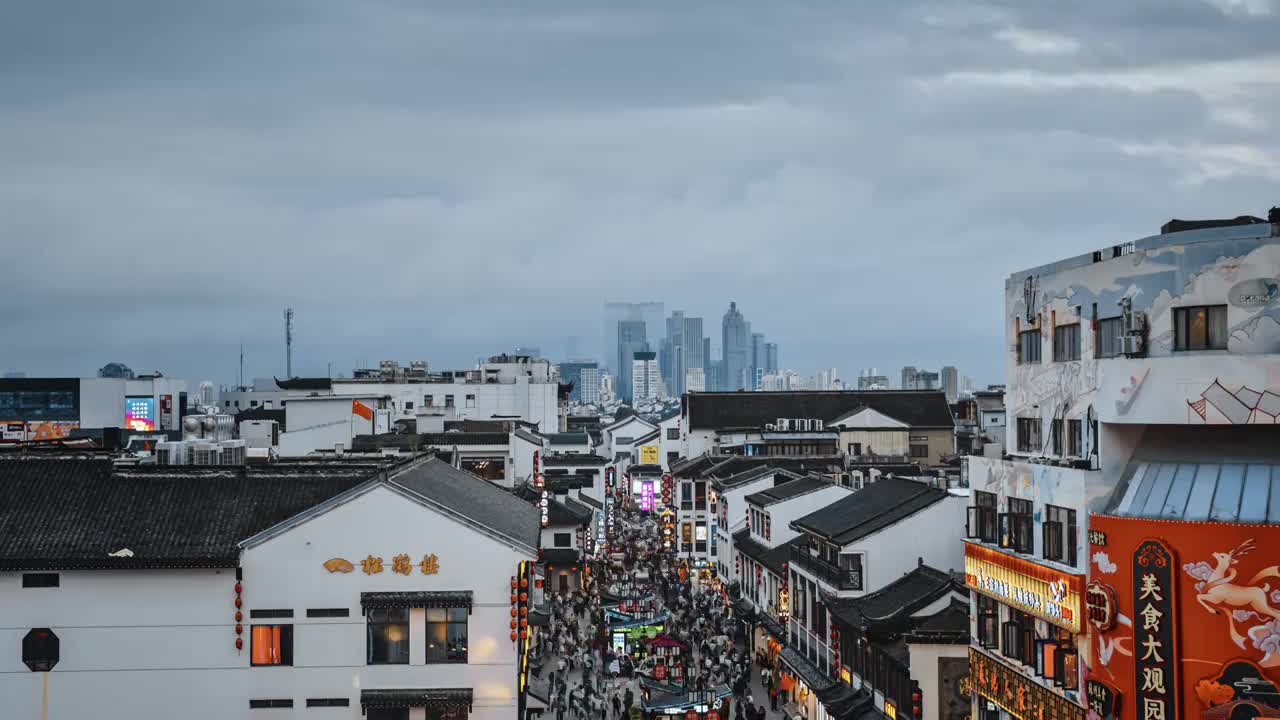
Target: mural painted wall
{"type": "Point", "coordinates": [1184, 619]}
{"type": "Point", "coordinates": [1083, 490]}
{"type": "Point", "coordinates": [1238, 267]}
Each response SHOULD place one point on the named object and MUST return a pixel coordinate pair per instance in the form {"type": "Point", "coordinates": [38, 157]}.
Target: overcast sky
{"type": "Point", "coordinates": [451, 182]}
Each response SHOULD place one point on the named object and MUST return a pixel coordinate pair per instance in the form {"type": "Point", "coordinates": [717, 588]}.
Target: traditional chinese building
{"type": "Point", "coordinates": [1122, 555]}
{"type": "Point", "coordinates": [376, 591]}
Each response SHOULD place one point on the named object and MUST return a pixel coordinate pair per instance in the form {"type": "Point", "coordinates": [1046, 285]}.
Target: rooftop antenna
{"type": "Point", "coordinates": [288, 342]}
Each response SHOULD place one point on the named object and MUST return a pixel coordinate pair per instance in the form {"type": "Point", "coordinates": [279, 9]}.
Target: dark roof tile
{"type": "Point", "coordinates": [787, 490]}
{"type": "Point", "coordinates": [869, 510]}
{"type": "Point", "coordinates": [916, 408]}
{"type": "Point", "coordinates": [475, 500]}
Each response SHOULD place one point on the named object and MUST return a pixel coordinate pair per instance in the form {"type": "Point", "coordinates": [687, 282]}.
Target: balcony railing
{"type": "Point", "coordinates": [835, 576]}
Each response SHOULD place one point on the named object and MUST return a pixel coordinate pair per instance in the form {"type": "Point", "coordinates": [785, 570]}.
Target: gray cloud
{"type": "Point", "coordinates": [449, 181]}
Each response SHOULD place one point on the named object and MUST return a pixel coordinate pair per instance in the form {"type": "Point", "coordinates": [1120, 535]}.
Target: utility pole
{"type": "Point", "coordinates": [288, 342]}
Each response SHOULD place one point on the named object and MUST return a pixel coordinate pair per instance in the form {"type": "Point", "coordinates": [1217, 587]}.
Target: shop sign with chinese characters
{"type": "Point", "coordinates": [1021, 697]}
{"type": "Point", "coordinates": [374, 565]}
{"type": "Point", "coordinates": [1153, 632]}
{"type": "Point", "coordinates": [1042, 591]}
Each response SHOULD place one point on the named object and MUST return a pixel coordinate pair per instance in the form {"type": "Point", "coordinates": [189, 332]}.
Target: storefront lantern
{"type": "Point", "coordinates": [239, 629]}
{"type": "Point", "coordinates": [513, 624]}
{"type": "Point", "coordinates": [239, 643]}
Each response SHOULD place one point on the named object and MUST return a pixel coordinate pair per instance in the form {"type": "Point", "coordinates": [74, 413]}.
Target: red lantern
{"type": "Point", "coordinates": [524, 582]}
{"type": "Point", "coordinates": [513, 624]}
{"type": "Point", "coordinates": [238, 586]}
{"type": "Point", "coordinates": [513, 612]}
{"type": "Point", "coordinates": [537, 583]}
{"type": "Point", "coordinates": [524, 622]}
{"type": "Point", "coordinates": [513, 636]}
{"type": "Point", "coordinates": [239, 628]}
{"type": "Point", "coordinates": [524, 597]}
{"type": "Point", "coordinates": [513, 583]}
{"type": "Point", "coordinates": [524, 611]}
{"type": "Point", "coordinates": [239, 644]}
{"type": "Point", "coordinates": [238, 602]}
{"type": "Point", "coordinates": [524, 634]}
{"type": "Point", "coordinates": [239, 616]}
{"type": "Point", "coordinates": [513, 599]}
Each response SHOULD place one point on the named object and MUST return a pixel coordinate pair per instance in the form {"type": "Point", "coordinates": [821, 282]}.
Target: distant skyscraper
{"type": "Point", "coordinates": [631, 339]}
{"type": "Point", "coordinates": [588, 387]}
{"type": "Point", "coordinates": [736, 346]}
{"type": "Point", "coordinates": [682, 350]}
{"type": "Point", "coordinates": [572, 372]}
{"type": "Point", "coordinates": [530, 350]}
{"type": "Point", "coordinates": [827, 379]}
{"type": "Point", "coordinates": [916, 379]}
{"type": "Point", "coordinates": [771, 358]}
{"type": "Point", "coordinates": [645, 377]}
{"type": "Point", "coordinates": [869, 379]}
{"type": "Point", "coordinates": [950, 382]}
{"type": "Point", "coordinates": [695, 380]}
{"type": "Point", "coordinates": [711, 369]}
{"type": "Point", "coordinates": [909, 377]}
{"type": "Point", "coordinates": [650, 313]}
{"type": "Point", "coordinates": [759, 359]}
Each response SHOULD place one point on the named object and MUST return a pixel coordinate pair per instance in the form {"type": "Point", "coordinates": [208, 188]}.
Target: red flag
{"type": "Point", "coordinates": [359, 408]}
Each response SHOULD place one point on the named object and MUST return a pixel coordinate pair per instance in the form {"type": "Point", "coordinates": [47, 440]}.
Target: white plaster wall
{"type": "Point", "coordinates": [924, 670]}
{"type": "Point", "coordinates": [698, 442]}
{"type": "Point", "coordinates": [158, 644]}
{"type": "Point", "coordinates": [782, 514]}
{"type": "Point", "coordinates": [935, 534]}
{"type": "Point", "coordinates": [1043, 485]}
{"type": "Point", "coordinates": [667, 445]}
{"type": "Point", "coordinates": [877, 442]}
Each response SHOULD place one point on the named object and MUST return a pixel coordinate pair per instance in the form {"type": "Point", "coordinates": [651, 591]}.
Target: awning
{"type": "Point", "coordinates": [416, 599]}
{"type": "Point", "coordinates": [854, 706]}
{"type": "Point", "coordinates": [560, 556]}
{"type": "Point", "coordinates": [773, 627]}
{"type": "Point", "coordinates": [835, 695]}
{"type": "Point", "coordinates": [805, 670]}
{"type": "Point", "coordinates": [540, 616]}
{"type": "Point", "coordinates": [435, 698]}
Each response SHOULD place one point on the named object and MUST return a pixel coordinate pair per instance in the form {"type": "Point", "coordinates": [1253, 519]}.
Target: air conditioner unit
{"type": "Point", "coordinates": [204, 454]}
{"type": "Point", "coordinates": [1131, 345]}
{"type": "Point", "coordinates": [769, 427]}
{"type": "Point", "coordinates": [783, 424]}
{"type": "Point", "coordinates": [817, 425]}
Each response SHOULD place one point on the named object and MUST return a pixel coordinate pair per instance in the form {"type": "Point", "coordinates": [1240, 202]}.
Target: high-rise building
{"type": "Point", "coordinates": [909, 373]}
{"type": "Point", "coordinates": [571, 372]}
{"type": "Point", "coordinates": [916, 379]}
{"type": "Point", "coordinates": [711, 370]}
{"type": "Point", "coordinates": [736, 346]}
{"type": "Point", "coordinates": [645, 377]}
{"type": "Point", "coordinates": [681, 350]}
{"type": "Point", "coordinates": [650, 313]}
{"type": "Point", "coordinates": [950, 382]}
{"type": "Point", "coordinates": [631, 339]}
{"type": "Point", "coordinates": [695, 380]}
{"type": "Point", "coordinates": [588, 387]}
{"type": "Point", "coordinates": [828, 378]}
{"type": "Point", "coordinates": [869, 379]}
{"type": "Point", "coordinates": [528, 350]}
{"type": "Point", "coordinates": [759, 358]}
{"type": "Point", "coordinates": [771, 358]}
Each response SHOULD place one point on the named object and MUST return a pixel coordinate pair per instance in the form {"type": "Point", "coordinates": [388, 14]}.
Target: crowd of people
{"type": "Point", "coordinates": [588, 678]}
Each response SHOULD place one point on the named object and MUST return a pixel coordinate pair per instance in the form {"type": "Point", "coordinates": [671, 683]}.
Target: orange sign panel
{"type": "Point", "coordinates": [1049, 594]}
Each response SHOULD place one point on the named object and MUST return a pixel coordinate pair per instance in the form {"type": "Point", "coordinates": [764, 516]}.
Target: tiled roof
{"type": "Point", "coordinates": [949, 625]}
{"type": "Point", "coordinates": [569, 438]}
{"type": "Point", "coordinates": [645, 438]}
{"type": "Point", "coordinates": [59, 512]}
{"type": "Point", "coordinates": [874, 508]}
{"type": "Point", "coordinates": [718, 410]}
{"type": "Point", "coordinates": [772, 558]}
{"type": "Point", "coordinates": [788, 490]}
{"type": "Point", "coordinates": [801, 464]}
{"type": "Point", "coordinates": [897, 600]}
{"type": "Point", "coordinates": [573, 460]}
{"type": "Point", "coordinates": [473, 499]}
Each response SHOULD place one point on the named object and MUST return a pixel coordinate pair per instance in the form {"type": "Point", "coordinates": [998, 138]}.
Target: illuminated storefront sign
{"type": "Point", "coordinates": [402, 564]}
{"type": "Point", "coordinates": [140, 413]}
{"type": "Point", "coordinates": [1153, 631]}
{"type": "Point", "coordinates": [1019, 696]}
{"type": "Point", "coordinates": [646, 495]}
{"type": "Point", "coordinates": [1036, 589]}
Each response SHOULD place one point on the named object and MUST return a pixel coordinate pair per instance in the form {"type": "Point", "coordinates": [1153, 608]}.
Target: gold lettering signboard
{"type": "Point", "coordinates": [1022, 698]}
{"type": "Point", "coordinates": [373, 565]}
{"type": "Point", "coordinates": [1040, 590]}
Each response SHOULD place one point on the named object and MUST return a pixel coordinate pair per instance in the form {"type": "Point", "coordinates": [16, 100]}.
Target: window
{"type": "Point", "coordinates": [1029, 435]}
{"type": "Point", "coordinates": [673, 433]}
{"type": "Point", "coordinates": [988, 621]}
{"type": "Point", "coordinates": [237, 403]}
{"type": "Point", "coordinates": [328, 702]}
{"type": "Point", "coordinates": [673, 457]}
{"type": "Point", "coordinates": [283, 403]}
{"type": "Point", "coordinates": [328, 612]}
{"type": "Point", "coordinates": [448, 401]}
{"type": "Point", "coordinates": [428, 400]}
{"type": "Point", "coordinates": [700, 536]}
{"type": "Point", "coordinates": [1074, 439]}
{"type": "Point", "coordinates": [686, 533]}
{"type": "Point", "coordinates": [1060, 534]}
{"type": "Point", "coordinates": [1107, 341]}
{"type": "Point", "coordinates": [446, 635]}
{"type": "Point", "coordinates": [1203, 327]}
{"type": "Point", "coordinates": [919, 451]}
{"type": "Point", "coordinates": [387, 714]}
{"type": "Point", "coordinates": [563, 540]}
{"type": "Point", "coordinates": [851, 570]}
{"type": "Point", "coordinates": [1018, 636]}
{"type": "Point", "coordinates": [1055, 435]}
{"type": "Point", "coordinates": [408, 405]}
{"type": "Point", "coordinates": [271, 703]}
{"type": "Point", "coordinates": [471, 401]}
{"type": "Point", "coordinates": [253, 403]}
{"type": "Point", "coordinates": [982, 517]}
{"type": "Point", "coordinates": [1015, 531]}
{"type": "Point", "coordinates": [686, 496]}
{"type": "Point", "coordinates": [1066, 343]}
{"type": "Point", "coordinates": [388, 636]}
{"type": "Point", "coordinates": [40, 580]}
{"type": "Point", "coordinates": [700, 495]}
{"type": "Point", "coordinates": [855, 449]}
{"type": "Point", "coordinates": [271, 645]}
{"type": "Point", "coordinates": [453, 713]}
{"type": "Point", "coordinates": [226, 403]}
{"type": "Point", "coordinates": [1029, 347]}
{"type": "Point", "coordinates": [266, 614]}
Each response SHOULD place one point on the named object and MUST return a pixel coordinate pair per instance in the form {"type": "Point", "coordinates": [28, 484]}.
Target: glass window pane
{"type": "Point", "coordinates": [1144, 490]}
{"type": "Point", "coordinates": [1197, 328]}
{"type": "Point", "coordinates": [437, 638]}
{"type": "Point", "coordinates": [1257, 486]}
{"type": "Point", "coordinates": [1202, 492]}
{"type": "Point", "coordinates": [1273, 516]}
{"type": "Point", "coordinates": [1176, 503]}
{"type": "Point", "coordinates": [1159, 491]}
{"type": "Point", "coordinates": [458, 614]}
{"type": "Point", "coordinates": [1226, 499]}
{"type": "Point", "coordinates": [436, 615]}
{"type": "Point", "coordinates": [1218, 327]}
